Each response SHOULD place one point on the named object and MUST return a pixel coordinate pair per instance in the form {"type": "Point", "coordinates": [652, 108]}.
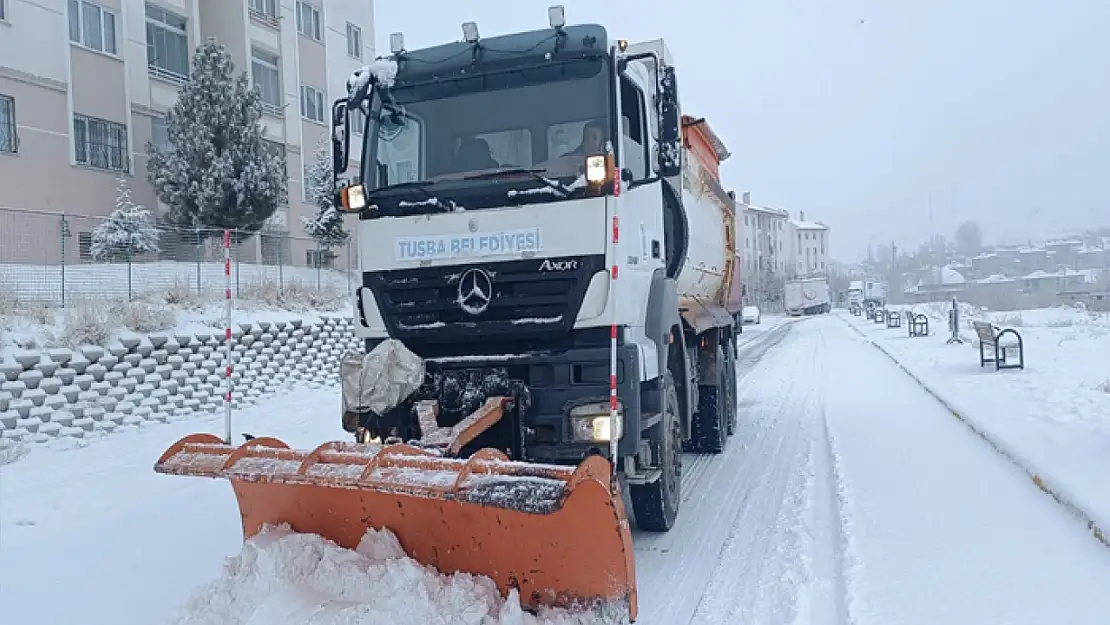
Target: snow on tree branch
{"type": "Point", "coordinates": [128, 231]}
{"type": "Point", "coordinates": [326, 227]}
{"type": "Point", "coordinates": [219, 173]}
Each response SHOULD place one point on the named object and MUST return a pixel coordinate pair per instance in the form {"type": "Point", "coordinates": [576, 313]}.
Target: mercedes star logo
{"type": "Point", "coordinates": [475, 291]}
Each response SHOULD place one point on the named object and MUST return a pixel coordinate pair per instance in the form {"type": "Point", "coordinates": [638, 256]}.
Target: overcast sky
{"type": "Point", "coordinates": [858, 111]}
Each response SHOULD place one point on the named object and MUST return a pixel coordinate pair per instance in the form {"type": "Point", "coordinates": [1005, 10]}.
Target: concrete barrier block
{"type": "Point", "coordinates": [92, 353]}
{"type": "Point", "coordinates": [160, 416]}
{"type": "Point", "coordinates": [159, 356]}
{"type": "Point", "coordinates": [144, 389]}
{"type": "Point", "coordinates": [122, 367]}
{"type": "Point", "coordinates": [31, 378]}
{"type": "Point", "coordinates": [65, 375]}
{"type": "Point", "coordinates": [72, 432]}
{"type": "Point", "coordinates": [31, 424]}
{"type": "Point", "coordinates": [132, 359]}
{"type": "Point", "coordinates": [8, 419]}
{"type": "Point", "coordinates": [147, 364]}
{"type": "Point", "coordinates": [158, 340]}
{"type": "Point", "coordinates": [63, 418]}
{"type": "Point", "coordinates": [14, 388]}
{"type": "Point", "coordinates": [34, 395]}
{"type": "Point", "coordinates": [5, 399]}
{"type": "Point", "coordinates": [189, 368]}
{"type": "Point", "coordinates": [101, 388]}
{"type": "Point", "coordinates": [96, 413]}
{"type": "Point", "coordinates": [113, 377]}
{"type": "Point", "coordinates": [125, 407]}
{"type": "Point", "coordinates": [179, 377]}
{"type": "Point", "coordinates": [16, 434]}
{"type": "Point", "coordinates": [128, 384]}
{"type": "Point", "coordinates": [171, 347]}
{"type": "Point", "coordinates": [22, 407]}
{"type": "Point", "coordinates": [192, 404]}
{"type": "Point", "coordinates": [79, 364]}
{"type": "Point", "coordinates": [118, 350]}
{"type": "Point", "coordinates": [108, 362]}
{"type": "Point", "coordinates": [47, 368]}
{"type": "Point", "coordinates": [130, 342]}
{"type": "Point", "coordinates": [27, 359]}
{"type": "Point", "coordinates": [55, 402]}
{"type": "Point", "coordinates": [144, 349]}
{"type": "Point", "coordinates": [70, 392]}
{"type": "Point", "coordinates": [117, 392]}
{"type": "Point", "coordinates": [153, 379]}
{"type": "Point", "coordinates": [97, 371]}
{"type": "Point", "coordinates": [135, 418]}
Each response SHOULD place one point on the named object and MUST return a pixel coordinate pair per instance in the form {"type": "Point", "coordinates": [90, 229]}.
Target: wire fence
{"type": "Point", "coordinates": [50, 258]}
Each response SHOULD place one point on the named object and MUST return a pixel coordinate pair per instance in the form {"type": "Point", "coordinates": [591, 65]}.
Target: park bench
{"type": "Point", "coordinates": [880, 315]}
{"type": "Point", "coordinates": [893, 319]}
{"type": "Point", "coordinates": [990, 338]}
{"type": "Point", "coordinates": [918, 324]}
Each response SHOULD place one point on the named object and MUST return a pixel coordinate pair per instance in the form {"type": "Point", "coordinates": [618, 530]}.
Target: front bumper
{"type": "Point", "coordinates": [557, 383]}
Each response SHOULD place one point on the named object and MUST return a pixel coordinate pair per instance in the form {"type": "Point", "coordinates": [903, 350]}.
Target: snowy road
{"type": "Point", "coordinates": [847, 496]}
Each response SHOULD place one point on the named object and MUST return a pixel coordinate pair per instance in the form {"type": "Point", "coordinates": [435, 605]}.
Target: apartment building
{"type": "Point", "coordinates": [85, 83]}
{"type": "Point", "coordinates": [766, 255]}
{"type": "Point", "coordinates": [809, 247]}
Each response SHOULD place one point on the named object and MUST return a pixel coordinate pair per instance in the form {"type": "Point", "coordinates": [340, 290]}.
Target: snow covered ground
{"type": "Point", "coordinates": [848, 495]}
{"type": "Point", "coordinates": [1054, 416]}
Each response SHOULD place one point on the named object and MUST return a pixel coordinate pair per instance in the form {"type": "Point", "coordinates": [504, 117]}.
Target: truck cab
{"type": "Point", "coordinates": [522, 229]}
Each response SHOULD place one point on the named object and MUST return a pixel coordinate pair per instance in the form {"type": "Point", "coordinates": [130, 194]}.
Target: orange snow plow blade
{"type": "Point", "coordinates": [558, 534]}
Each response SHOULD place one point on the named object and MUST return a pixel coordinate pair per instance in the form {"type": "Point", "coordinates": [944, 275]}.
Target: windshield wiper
{"type": "Point", "coordinates": [534, 173]}
{"type": "Point", "coordinates": [413, 184]}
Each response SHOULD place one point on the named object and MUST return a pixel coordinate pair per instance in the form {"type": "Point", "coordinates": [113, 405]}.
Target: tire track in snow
{"type": "Point", "coordinates": [828, 593]}
{"type": "Point", "coordinates": [673, 569]}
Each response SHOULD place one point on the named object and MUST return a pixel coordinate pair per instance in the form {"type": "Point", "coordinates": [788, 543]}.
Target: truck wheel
{"type": "Point", "coordinates": [656, 505]}
{"type": "Point", "coordinates": [710, 427]}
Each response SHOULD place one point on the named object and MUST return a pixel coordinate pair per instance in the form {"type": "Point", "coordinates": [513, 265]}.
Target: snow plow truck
{"type": "Point", "coordinates": [549, 282]}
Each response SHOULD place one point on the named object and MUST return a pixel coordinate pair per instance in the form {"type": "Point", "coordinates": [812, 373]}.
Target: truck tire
{"type": "Point", "coordinates": [710, 424]}
{"type": "Point", "coordinates": [656, 505]}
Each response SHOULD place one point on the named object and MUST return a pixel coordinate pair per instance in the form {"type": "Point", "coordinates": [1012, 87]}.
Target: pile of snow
{"type": "Point", "coordinates": [285, 577]}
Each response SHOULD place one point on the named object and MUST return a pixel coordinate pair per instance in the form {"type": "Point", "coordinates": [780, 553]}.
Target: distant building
{"type": "Point", "coordinates": [809, 243]}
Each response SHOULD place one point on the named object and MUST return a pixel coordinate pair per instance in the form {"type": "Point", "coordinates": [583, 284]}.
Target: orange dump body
{"type": "Point", "coordinates": [558, 534]}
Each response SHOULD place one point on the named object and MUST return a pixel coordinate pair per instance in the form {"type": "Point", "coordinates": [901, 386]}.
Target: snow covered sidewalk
{"type": "Point", "coordinates": [1053, 416]}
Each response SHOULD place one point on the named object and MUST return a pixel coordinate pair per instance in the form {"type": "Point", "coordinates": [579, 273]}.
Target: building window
{"type": "Point", "coordinates": [264, 73]}
{"type": "Point", "coordinates": [92, 26]}
{"type": "Point", "coordinates": [312, 103]}
{"type": "Point", "coordinates": [354, 41]}
{"type": "Point", "coordinates": [263, 8]}
{"type": "Point", "coordinates": [9, 141]}
{"type": "Point", "coordinates": [167, 44]}
{"type": "Point", "coordinates": [100, 143]}
{"type": "Point", "coordinates": [276, 150]}
{"type": "Point", "coordinates": [308, 20]}
{"type": "Point", "coordinates": [160, 134]}
{"type": "Point", "coordinates": [358, 121]}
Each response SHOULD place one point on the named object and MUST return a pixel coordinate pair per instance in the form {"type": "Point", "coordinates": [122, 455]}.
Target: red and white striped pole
{"type": "Point", "coordinates": [227, 336]}
{"type": "Point", "coordinates": [613, 403]}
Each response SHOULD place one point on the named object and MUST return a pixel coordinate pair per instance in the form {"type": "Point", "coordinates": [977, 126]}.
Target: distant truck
{"type": "Point", "coordinates": [874, 293]}
{"type": "Point", "coordinates": [808, 296]}
{"type": "Point", "coordinates": [855, 293]}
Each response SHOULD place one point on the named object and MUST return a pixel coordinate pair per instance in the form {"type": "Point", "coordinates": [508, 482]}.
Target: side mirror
{"type": "Point", "coordinates": [670, 153]}
{"type": "Point", "coordinates": [340, 139]}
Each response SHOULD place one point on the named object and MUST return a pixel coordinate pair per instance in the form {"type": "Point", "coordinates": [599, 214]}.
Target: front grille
{"type": "Point", "coordinates": [423, 304]}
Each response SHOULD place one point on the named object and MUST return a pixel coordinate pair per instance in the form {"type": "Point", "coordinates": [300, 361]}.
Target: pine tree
{"type": "Point", "coordinates": [128, 231]}
{"type": "Point", "coordinates": [326, 228]}
{"type": "Point", "coordinates": [217, 173]}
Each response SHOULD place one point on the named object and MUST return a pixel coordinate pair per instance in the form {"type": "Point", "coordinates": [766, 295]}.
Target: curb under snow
{"type": "Point", "coordinates": [1048, 486]}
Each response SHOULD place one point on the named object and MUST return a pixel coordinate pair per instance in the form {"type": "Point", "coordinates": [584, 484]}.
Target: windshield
{"type": "Point", "coordinates": [460, 136]}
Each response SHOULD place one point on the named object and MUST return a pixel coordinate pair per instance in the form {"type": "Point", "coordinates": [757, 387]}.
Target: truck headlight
{"type": "Point", "coordinates": [352, 199]}
{"type": "Point", "coordinates": [596, 170]}
{"type": "Point", "coordinates": [592, 422]}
